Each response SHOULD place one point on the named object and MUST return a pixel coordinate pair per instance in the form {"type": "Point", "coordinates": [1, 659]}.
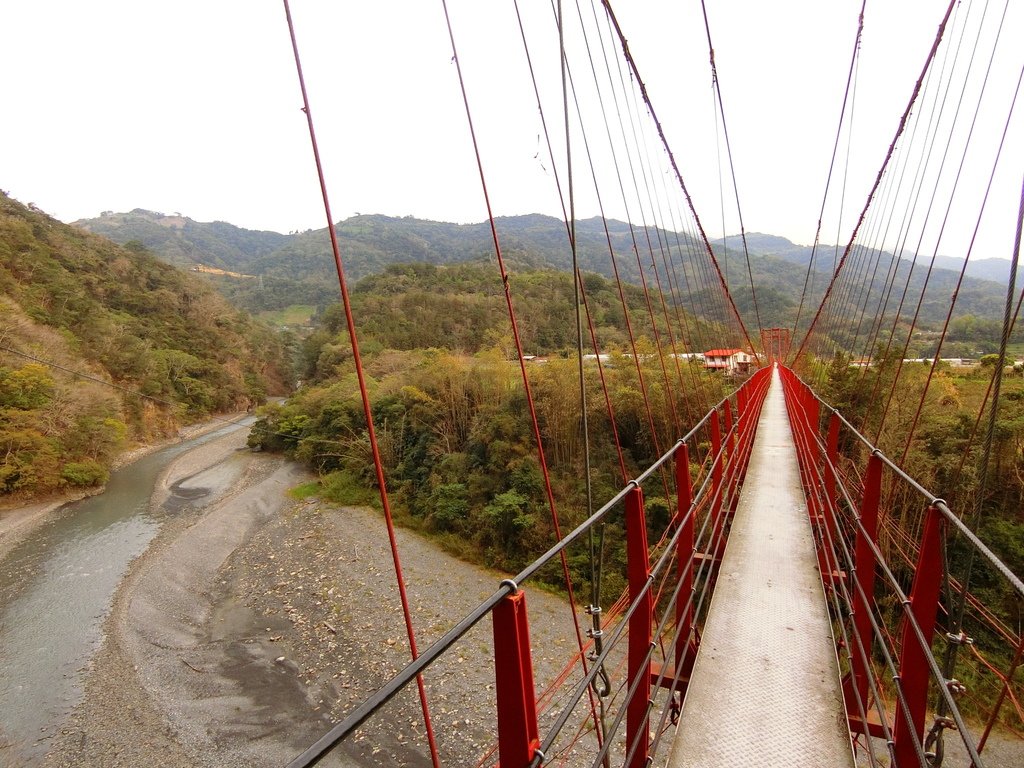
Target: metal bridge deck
{"type": "Point", "coordinates": [765, 686]}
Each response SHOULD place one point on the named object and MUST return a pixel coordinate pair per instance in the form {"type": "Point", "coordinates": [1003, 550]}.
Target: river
{"type": "Point", "coordinates": [56, 588]}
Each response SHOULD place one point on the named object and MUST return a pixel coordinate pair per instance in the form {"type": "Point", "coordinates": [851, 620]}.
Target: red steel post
{"type": "Point", "coordinates": [796, 406]}
{"type": "Point", "coordinates": [729, 437]}
{"type": "Point", "coordinates": [813, 414]}
{"type": "Point", "coordinates": [518, 737]}
{"type": "Point", "coordinates": [639, 569]}
{"type": "Point", "coordinates": [743, 399]}
{"type": "Point", "coordinates": [828, 495]}
{"type": "Point", "coordinates": [864, 578]}
{"type": "Point", "coordinates": [832, 457]}
{"type": "Point", "coordinates": [717, 491]}
{"type": "Point", "coordinates": [685, 551]}
{"type": "Point", "coordinates": [914, 671]}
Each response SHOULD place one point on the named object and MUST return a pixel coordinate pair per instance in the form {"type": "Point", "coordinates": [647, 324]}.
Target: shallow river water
{"type": "Point", "coordinates": [56, 587]}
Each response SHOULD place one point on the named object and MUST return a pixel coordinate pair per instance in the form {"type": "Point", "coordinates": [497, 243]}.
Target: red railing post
{"type": "Point", "coordinates": [745, 401]}
{"type": "Point", "coordinates": [914, 671]}
{"type": "Point", "coordinates": [685, 563]}
{"type": "Point", "coordinates": [518, 737]}
{"type": "Point", "coordinates": [864, 579]}
{"type": "Point", "coordinates": [828, 556]}
{"type": "Point", "coordinates": [812, 416]}
{"type": "Point", "coordinates": [717, 491]}
{"type": "Point", "coordinates": [796, 407]}
{"type": "Point", "coordinates": [729, 437]}
{"type": "Point", "coordinates": [832, 457]}
{"type": "Point", "coordinates": [639, 569]}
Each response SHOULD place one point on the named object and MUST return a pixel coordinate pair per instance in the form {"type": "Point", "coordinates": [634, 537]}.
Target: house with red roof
{"type": "Point", "coordinates": [728, 360]}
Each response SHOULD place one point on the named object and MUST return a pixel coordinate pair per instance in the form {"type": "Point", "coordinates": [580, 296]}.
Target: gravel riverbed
{"type": "Point", "coordinates": [253, 622]}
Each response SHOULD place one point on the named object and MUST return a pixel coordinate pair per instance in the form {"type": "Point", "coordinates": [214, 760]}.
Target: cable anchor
{"type": "Point", "coordinates": [601, 683]}
{"type": "Point", "coordinates": [934, 749]}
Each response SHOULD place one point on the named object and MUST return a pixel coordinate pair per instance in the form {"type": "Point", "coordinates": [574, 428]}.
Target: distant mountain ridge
{"type": "Point", "coordinates": [995, 270]}
{"type": "Point", "coordinates": [298, 268]}
{"type": "Point", "coordinates": [183, 241]}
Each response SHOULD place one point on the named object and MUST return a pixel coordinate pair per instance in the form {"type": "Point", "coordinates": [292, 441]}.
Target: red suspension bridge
{"type": "Point", "coordinates": [798, 605]}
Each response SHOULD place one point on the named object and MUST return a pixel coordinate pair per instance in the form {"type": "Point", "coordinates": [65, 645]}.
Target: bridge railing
{"type": "Point", "coordinates": [894, 599]}
{"type": "Point", "coordinates": [652, 631]}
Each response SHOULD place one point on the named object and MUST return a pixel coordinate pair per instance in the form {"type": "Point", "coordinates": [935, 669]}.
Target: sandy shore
{"type": "Point", "coordinates": [18, 524]}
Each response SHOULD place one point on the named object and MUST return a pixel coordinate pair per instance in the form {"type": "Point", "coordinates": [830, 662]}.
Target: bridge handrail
{"type": "Point", "coordinates": [933, 500]}
{"type": "Point", "coordinates": [362, 712]}
{"type": "Point", "coordinates": [811, 429]}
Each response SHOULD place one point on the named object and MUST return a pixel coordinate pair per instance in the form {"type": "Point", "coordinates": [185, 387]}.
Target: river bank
{"type": "Point", "coordinates": [251, 622]}
{"type": "Point", "coordinates": [18, 521]}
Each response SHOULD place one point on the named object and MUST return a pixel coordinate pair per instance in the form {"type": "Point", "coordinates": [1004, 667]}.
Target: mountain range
{"type": "Point", "coordinates": [298, 268]}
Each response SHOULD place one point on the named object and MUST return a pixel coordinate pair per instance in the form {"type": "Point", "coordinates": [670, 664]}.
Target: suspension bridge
{"type": "Point", "coordinates": [807, 600]}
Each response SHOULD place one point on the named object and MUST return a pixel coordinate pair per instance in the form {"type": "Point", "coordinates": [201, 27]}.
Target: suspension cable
{"type": "Point", "coordinates": [364, 395]}
{"type": "Point", "coordinates": [878, 178]}
{"type": "Point", "coordinates": [679, 176]}
{"type": "Point", "coordinates": [594, 609]}
{"type": "Point", "coordinates": [507, 289]}
{"type": "Point", "coordinates": [983, 469]}
{"type": "Point", "coordinates": [716, 84]}
{"type": "Point", "coordinates": [854, 58]}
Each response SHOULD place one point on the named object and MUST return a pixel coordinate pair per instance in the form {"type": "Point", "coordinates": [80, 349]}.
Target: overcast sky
{"type": "Point", "coordinates": [193, 107]}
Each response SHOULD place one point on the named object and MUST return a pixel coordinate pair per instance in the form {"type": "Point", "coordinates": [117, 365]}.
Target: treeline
{"type": "Point", "coordinates": [74, 302]}
{"type": "Point", "coordinates": [462, 308]}
{"type": "Point", "coordinates": [453, 423]}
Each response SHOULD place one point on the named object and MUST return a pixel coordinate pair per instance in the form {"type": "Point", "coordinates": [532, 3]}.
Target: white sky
{"type": "Point", "coordinates": [193, 106]}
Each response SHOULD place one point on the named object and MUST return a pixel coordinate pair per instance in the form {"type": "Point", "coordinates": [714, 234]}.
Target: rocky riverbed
{"type": "Point", "coordinates": [254, 621]}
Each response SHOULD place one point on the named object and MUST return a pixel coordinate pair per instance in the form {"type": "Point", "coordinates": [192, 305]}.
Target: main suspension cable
{"type": "Point", "coordinates": [679, 176]}
{"type": "Point", "coordinates": [716, 84]}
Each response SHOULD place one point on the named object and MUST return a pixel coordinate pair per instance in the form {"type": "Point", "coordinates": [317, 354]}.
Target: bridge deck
{"type": "Point", "coordinates": [765, 686]}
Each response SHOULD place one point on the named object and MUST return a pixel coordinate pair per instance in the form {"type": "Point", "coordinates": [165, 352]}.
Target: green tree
{"type": "Point", "coordinates": [26, 388]}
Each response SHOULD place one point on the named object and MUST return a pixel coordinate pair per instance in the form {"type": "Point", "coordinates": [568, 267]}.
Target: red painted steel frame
{"type": "Point", "coordinates": [832, 453]}
{"type": "Point", "coordinates": [717, 490]}
{"type": "Point", "coordinates": [908, 733]}
{"type": "Point", "coordinates": [864, 581]}
{"type": "Point", "coordinates": [727, 423]}
{"type": "Point", "coordinates": [518, 736]}
{"type": "Point", "coordinates": [685, 550]}
{"type": "Point", "coordinates": [639, 568]}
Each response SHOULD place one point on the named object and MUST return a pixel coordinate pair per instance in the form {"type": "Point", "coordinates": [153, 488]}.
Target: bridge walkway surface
{"type": "Point", "coordinates": [765, 688]}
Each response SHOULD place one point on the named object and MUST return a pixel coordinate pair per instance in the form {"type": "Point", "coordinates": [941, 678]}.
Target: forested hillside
{"type": "Point", "coordinates": [298, 269]}
{"type": "Point", "coordinates": [155, 348]}
{"type": "Point", "coordinates": [450, 410]}
{"type": "Point", "coordinates": [462, 308]}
